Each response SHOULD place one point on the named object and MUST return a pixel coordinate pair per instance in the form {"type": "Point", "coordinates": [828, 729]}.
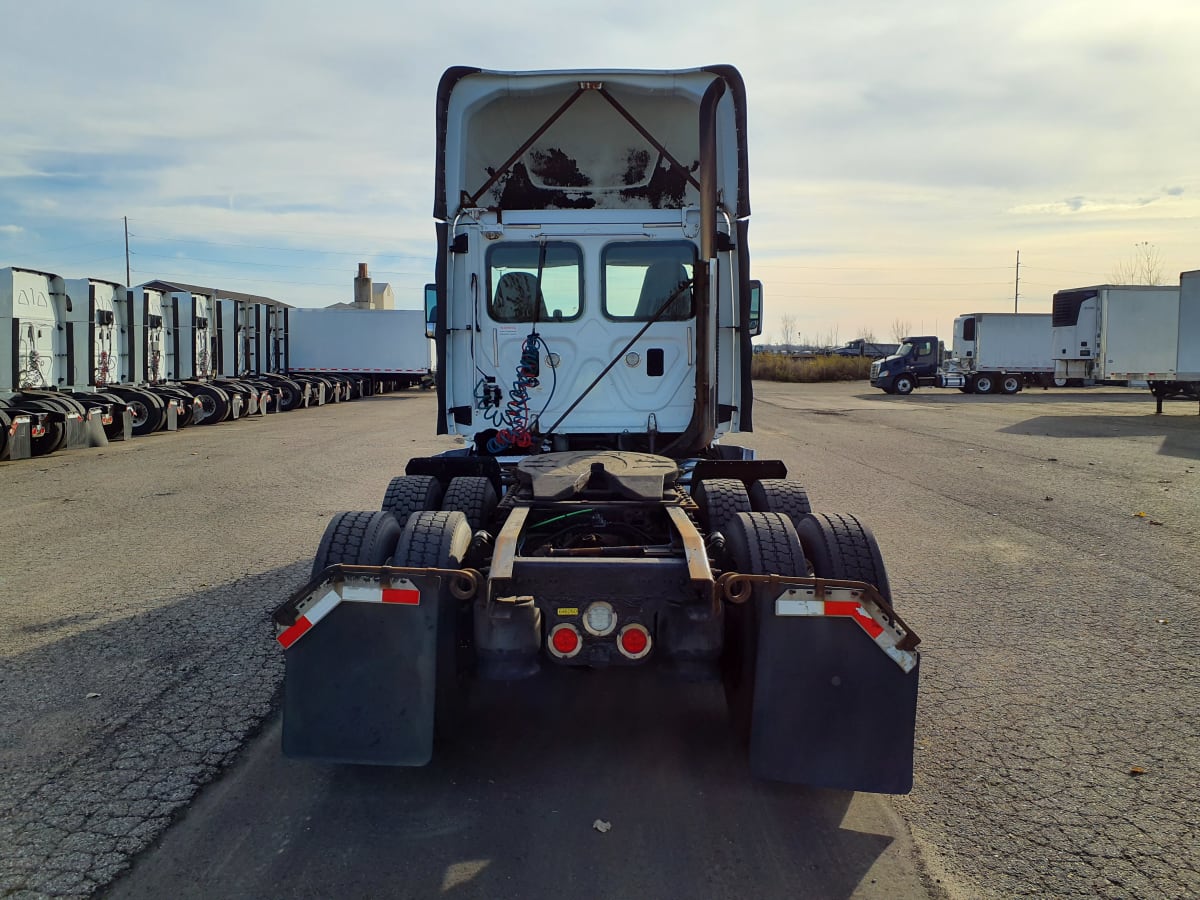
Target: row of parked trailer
{"type": "Point", "coordinates": [1106, 334]}
{"type": "Point", "coordinates": [85, 361]}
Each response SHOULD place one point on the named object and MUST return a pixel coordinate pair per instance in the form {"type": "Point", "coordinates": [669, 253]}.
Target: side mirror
{"type": "Point", "coordinates": [755, 322]}
{"type": "Point", "coordinates": [431, 310]}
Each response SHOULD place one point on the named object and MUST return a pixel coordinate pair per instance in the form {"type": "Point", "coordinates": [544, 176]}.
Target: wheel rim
{"type": "Point", "coordinates": [140, 412]}
{"type": "Point", "coordinates": [983, 385]}
{"type": "Point", "coordinates": [1011, 385]}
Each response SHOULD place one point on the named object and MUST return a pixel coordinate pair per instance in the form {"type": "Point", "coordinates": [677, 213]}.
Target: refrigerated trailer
{"type": "Point", "coordinates": [593, 311]}
{"type": "Point", "coordinates": [1117, 334]}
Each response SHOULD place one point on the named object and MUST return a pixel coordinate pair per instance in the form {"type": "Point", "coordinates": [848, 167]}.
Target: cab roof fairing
{"type": "Point", "coordinates": [590, 156]}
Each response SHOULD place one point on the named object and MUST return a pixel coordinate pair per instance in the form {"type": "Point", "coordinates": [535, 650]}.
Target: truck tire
{"type": "Point", "coordinates": [1010, 384]}
{"type": "Point", "coordinates": [903, 385]}
{"type": "Point", "coordinates": [357, 538]}
{"type": "Point", "coordinates": [147, 410]}
{"type": "Point", "coordinates": [759, 543]}
{"type": "Point", "coordinates": [407, 494]}
{"type": "Point", "coordinates": [720, 499]}
{"type": "Point", "coordinates": [214, 401]}
{"type": "Point", "coordinates": [441, 540]}
{"type": "Point", "coordinates": [779, 495]}
{"type": "Point", "coordinates": [840, 546]}
{"type": "Point", "coordinates": [290, 394]}
{"type": "Point", "coordinates": [982, 384]}
{"type": "Point", "coordinates": [1060, 382]}
{"type": "Point", "coordinates": [474, 497]}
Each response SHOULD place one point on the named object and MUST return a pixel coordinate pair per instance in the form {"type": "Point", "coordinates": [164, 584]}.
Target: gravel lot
{"type": "Point", "coordinates": [1043, 545]}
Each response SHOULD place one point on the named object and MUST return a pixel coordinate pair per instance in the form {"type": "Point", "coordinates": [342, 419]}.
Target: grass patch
{"type": "Point", "coordinates": [777, 367]}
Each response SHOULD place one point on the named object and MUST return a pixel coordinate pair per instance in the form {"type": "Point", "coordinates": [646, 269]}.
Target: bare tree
{"type": "Point", "coordinates": [901, 328]}
{"type": "Point", "coordinates": [788, 323]}
{"type": "Point", "coordinates": [1144, 266]}
{"type": "Point", "coordinates": [867, 334]}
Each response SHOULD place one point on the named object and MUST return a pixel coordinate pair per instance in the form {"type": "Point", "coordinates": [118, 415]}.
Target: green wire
{"type": "Point", "coordinates": [578, 512]}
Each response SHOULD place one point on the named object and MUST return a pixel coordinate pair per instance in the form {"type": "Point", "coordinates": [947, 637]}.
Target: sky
{"type": "Point", "coordinates": [901, 153]}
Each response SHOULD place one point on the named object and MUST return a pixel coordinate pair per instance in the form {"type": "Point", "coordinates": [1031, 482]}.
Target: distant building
{"type": "Point", "coordinates": [368, 295]}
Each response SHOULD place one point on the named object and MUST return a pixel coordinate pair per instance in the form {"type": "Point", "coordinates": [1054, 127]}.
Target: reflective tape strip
{"type": "Point", "coordinates": [311, 617]}
{"type": "Point", "coordinates": [402, 593]}
{"type": "Point", "coordinates": [404, 596]}
{"type": "Point", "coordinates": [856, 612]}
{"type": "Point", "coordinates": [803, 602]}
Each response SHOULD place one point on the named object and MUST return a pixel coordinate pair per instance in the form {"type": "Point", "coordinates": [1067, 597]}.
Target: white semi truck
{"type": "Point", "coordinates": [992, 353]}
{"type": "Point", "coordinates": [1118, 334]}
{"type": "Point", "coordinates": [593, 310]}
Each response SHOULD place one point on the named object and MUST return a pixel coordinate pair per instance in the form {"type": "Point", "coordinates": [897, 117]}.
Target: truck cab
{"type": "Point", "coordinates": [593, 290]}
{"type": "Point", "coordinates": [915, 363]}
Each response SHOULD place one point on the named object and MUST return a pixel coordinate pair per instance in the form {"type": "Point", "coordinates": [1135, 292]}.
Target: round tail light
{"type": "Point", "coordinates": [634, 641]}
{"type": "Point", "coordinates": [565, 641]}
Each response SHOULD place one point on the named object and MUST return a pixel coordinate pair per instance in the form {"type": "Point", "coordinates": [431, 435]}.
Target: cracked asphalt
{"type": "Point", "coordinates": [135, 652]}
{"type": "Point", "coordinates": [1043, 545]}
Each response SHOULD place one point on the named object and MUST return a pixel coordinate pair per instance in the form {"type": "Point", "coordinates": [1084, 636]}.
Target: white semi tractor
{"type": "Point", "coordinates": [1118, 334]}
{"type": "Point", "coordinates": [593, 310]}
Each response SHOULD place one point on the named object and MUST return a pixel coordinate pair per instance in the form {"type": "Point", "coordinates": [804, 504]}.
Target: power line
{"type": "Point", "coordinates": [239, 262]}
{"type": "Point", "coordinates": [286, 249]}
{"type": "Point", "coordinates": [931, 284]}
{"type": "Point", "coordinates": [271, 230]}
{"type": "Point", "coordinates": [760, 262]}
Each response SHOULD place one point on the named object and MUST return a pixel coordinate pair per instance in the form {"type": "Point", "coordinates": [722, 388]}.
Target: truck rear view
{"type": "Point", "coordinates": [592, 312]}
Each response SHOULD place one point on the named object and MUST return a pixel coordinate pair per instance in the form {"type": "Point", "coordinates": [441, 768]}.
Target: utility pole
{"type": "Point", "coordinates": [126, 250]}
{"type": "Point", "coordinates": [1017, 283]}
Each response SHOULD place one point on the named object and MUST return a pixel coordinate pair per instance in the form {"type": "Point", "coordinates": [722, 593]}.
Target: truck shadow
{"type": "Point", "coordinates": [518, 793]}
{"type": "Point", "coordinates": [1029, 396]}
{"type": "Point", "coordinates": [1180, 433]}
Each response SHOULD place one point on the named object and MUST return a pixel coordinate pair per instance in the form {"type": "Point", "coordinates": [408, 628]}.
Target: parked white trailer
{"type": "Point", "coordinates": [999, 352]}
{"type": "Point", "coordinates": [1118, 334]}
{"type": "Point", "coordinates": [377, 344]}
{"type": "Point", "coordinates": [1187, 367]}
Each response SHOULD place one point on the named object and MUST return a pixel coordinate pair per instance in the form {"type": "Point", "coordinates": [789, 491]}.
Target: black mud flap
{"type": "Point", "coordinates": [831, 708]}
{"type": "Point", "coordinates": [360, 686]}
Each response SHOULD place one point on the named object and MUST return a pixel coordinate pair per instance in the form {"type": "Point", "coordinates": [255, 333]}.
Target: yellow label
{"type": "Point", "coordinates": [568, 610]}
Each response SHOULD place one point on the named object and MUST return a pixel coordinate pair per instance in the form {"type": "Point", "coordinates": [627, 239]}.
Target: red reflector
{"type": "Point", "coordinates": [289, 636]}
{"type": "Point", "coordinates": [406, 596]}
{"type": "Point", "coordinates": [565, 640]}
{"type": "Point", "coordinates": [634, 641]}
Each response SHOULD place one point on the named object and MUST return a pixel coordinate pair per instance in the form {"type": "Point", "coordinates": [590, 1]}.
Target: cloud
{"type": "Point", "coordinates": [11, 229]}
{"type": "Point", "coordinates": [1096, 205]}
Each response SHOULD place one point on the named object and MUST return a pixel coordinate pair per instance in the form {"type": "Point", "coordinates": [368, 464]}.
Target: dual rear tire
{"type": "Point", "coordinates": [767, 543]}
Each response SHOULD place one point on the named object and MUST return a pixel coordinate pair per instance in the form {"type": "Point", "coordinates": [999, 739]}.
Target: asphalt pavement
{"type": "Point", "coordinates": [1042, 545]}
